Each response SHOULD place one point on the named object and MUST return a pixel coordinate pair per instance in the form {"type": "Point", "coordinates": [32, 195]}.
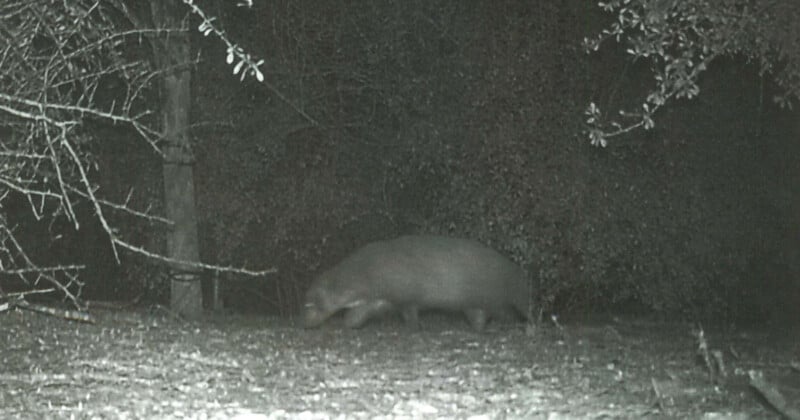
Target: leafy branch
{"type": "Point", "coordinates": [681, 38]}
{"type": "Point", "coordinates": [245, 63]}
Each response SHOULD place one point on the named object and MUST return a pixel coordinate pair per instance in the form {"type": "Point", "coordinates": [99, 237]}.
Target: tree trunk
{"type": "Point", "coordinates": [172, 57]}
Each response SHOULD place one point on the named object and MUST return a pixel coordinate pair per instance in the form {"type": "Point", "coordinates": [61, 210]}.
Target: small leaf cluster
{"type": "Point", "coordinates": [235, 53]}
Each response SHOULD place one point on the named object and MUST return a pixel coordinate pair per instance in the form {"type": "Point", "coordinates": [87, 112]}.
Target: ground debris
{"type": "Point", "coordinates": [137, 366]}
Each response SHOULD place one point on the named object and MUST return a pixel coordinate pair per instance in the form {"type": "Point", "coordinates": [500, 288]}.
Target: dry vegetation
{"type": "Point", "coordinates": [145, 364]}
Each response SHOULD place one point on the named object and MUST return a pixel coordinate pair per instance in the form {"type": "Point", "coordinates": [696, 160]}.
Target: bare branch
{"type": "Point", "coordinates": [56, 59]}
{"type": "Point", "coordinates": [194, 264]}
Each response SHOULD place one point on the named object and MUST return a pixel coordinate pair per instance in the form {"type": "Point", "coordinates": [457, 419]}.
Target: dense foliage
{"type": "Point", "coordinates": [365, 121]}
{"type": "Point", "coordinates": [463, 119]}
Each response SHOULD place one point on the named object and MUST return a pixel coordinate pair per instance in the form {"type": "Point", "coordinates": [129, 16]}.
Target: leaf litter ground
{"type": "Point", "coordinates": [137, 364]}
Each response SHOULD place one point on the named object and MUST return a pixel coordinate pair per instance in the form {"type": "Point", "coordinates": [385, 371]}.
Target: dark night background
{"type": "Point", "coordinates": [465, 118]}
